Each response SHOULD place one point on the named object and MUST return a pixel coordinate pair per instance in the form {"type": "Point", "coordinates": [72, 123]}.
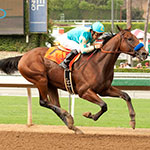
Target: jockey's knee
{"type": "Point", "coordinates": [75, 51]}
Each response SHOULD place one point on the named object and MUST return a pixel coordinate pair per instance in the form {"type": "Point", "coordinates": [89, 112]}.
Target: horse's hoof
{"type": "Point", "coordinates": [87, 114]}
{"type": "Point", "coordinates": [78, 131]}
{"type": "Point", "coordinates": [132, 124]}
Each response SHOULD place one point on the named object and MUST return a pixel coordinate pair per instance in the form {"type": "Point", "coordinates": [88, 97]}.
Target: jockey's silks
{"type": "Point", "coordinates": [80, 34]}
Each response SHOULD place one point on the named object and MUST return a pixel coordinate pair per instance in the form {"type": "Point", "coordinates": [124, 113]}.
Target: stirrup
{"type": "Point", "coordinates": [63, 65]}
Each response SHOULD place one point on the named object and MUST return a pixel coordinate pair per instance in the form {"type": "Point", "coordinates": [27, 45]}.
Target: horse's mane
{"type": "Point", "coordinates": [107, 37]}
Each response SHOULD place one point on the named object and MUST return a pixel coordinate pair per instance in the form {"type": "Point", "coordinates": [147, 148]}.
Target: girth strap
{"type": "Point", "coordinates": [68, 81]}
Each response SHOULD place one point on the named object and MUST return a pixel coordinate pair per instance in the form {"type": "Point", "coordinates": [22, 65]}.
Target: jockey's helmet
{"type": "Point", "coordinates": [98, 27]}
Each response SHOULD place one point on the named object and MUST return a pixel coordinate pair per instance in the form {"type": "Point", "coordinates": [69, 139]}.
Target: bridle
{"type": "Point", "coordinates": [131, 47]}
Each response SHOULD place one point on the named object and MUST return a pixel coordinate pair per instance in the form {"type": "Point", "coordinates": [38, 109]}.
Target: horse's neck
{"type": "Point", "coordinates": [112, 45]}
{"type": "Point", "coordinates": [108, 60]}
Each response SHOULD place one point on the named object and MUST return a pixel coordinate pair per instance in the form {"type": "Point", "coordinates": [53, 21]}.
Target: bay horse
{"type": "Point", "coordinates": [91, 78]}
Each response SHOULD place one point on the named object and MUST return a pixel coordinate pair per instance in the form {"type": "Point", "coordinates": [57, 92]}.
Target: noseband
{"type": "Point", "coordinates": [133, 49]}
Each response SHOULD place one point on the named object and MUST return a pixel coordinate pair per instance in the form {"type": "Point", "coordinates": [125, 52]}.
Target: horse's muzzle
{"type": "Point", "coordinates": [142, 54]}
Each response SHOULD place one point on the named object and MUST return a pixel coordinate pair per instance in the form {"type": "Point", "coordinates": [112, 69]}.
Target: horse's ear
{"type": "Point", "coordinates": [119, 28]}
{"type": "Point", "coordinates": [129, 28]}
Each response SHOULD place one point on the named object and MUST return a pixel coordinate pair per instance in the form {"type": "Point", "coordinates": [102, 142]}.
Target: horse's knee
{"type": "Point", "coordinates": [104, 107]}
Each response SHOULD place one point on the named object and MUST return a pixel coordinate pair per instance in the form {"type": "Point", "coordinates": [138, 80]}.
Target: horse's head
{"type": "Point", "coordinates": [129, 44]}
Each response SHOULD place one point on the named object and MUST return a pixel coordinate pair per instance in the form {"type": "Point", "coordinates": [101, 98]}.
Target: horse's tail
{"type": "Point", "coordinates": [9, 65]}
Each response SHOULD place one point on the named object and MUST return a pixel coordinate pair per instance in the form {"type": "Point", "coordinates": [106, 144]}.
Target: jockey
{"type": "Point", "coordinates": [80, 40]}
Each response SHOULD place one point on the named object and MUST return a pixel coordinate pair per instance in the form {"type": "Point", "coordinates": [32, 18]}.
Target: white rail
{"type": "Point", "coordinates": [92, 20]}
{"type": "Point", "coordinates": [17, 81]}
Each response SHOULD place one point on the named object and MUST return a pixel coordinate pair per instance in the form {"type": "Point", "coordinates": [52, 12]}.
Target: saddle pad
{"type": "Point", "coordinates": [58, 55]}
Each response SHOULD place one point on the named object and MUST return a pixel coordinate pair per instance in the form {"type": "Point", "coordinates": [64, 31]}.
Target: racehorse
{"type": "Point", "coordinates": [92, 75]}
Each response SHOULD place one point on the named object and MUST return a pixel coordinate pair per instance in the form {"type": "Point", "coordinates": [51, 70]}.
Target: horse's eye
{"type": "Point", "coordinates": [130, 39]}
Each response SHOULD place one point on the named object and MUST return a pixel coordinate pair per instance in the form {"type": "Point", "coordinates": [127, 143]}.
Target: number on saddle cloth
{"type": "Point", "coordinates": [55, 54]}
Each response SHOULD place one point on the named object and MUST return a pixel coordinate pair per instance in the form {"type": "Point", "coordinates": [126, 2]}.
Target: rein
{"type": "Point", "coordinates": [87, 59]}
{"type": "Point", "coordinates": [118, 52]}
{"type": "Point", "coordinates": [110, 52]}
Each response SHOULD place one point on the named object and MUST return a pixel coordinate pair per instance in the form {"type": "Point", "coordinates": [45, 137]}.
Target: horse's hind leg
{"type": "Point", "coordinates": [92, 97]}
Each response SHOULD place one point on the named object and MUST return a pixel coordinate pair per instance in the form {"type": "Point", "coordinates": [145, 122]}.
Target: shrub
{"type": "Point", "coordinates": [18, 42]}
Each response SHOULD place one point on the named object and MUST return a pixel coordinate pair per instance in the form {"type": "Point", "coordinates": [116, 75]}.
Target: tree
{"type": "Point", "coordinates": [71, 4]}
{"type": "Point", "coordinates": [86, 6]}
{"type": "Point", "coordinates": [117, 3]}
{"type": "Point", "coordinates": [146, 24]}
{"type": "Point", "coordinates": [137, 14]}
{"type": "Point", "coordinates": [98, 2]}
{"type": "Point", "coordinates": [128, 13]}
{"type": "Point", "coordinates": [56, 5]}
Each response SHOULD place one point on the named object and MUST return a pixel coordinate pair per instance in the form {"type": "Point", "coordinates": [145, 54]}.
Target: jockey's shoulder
{"type": "Point", "coordinates": [83, 29]}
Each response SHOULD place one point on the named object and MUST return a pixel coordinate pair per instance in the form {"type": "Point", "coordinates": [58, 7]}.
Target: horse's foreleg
{"type": "Point", "coordinates": [54, 105]}
{"type": "Point", "coordinates": [63, 115]}
{"type": "Point", "coordinates": [94, 98]}
{"type": "Point", "coordinates": [114, 92]}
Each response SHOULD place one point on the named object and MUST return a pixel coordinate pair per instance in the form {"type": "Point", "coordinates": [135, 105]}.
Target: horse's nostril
{"type": "Point", "coordinates": [145, 54]}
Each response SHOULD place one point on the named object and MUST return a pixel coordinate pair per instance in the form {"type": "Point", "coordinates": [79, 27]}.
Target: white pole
{"type": "Point", "coordinates": [69, 105]}
{"type": "Point", "coordinates": [83, 23]}
{"type": "Point", "coordinates": [146, 22]}
{"type": "Point", "coordinates": [72, 106]}
{"type": "Point", "coordinates": [27, 38]}
{"type": "Point", "coordinates": [112, 15]}
{"type": "Point", "coordinates": [29, 121]}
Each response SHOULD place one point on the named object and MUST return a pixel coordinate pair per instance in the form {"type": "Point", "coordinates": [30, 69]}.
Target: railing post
{"type": "Point", "coordinates": [69, 105]}
{"type": "Point", "coordinates": [29, 119]}
{"type": "Point", "coordinates": [72, 105]}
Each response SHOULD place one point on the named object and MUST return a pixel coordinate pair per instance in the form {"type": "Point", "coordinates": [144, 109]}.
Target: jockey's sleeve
{"type": "Point", "coordinates": [84, 47]}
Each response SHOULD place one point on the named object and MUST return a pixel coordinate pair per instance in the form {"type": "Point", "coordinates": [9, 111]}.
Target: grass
{"type": "Point", "coordinates": [13, 110]}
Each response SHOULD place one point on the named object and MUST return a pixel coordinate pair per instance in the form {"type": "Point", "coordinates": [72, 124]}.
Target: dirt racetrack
{"type": "Point", "coordinates": [40, 137]}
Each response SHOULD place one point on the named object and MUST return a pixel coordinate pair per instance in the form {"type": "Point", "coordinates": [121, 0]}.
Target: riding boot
{"type": "Point", "coordinates": [69, 57]}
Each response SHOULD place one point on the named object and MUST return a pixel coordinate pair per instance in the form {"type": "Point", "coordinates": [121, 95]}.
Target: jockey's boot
{"type": "Point", "coordinates": [69, 57]}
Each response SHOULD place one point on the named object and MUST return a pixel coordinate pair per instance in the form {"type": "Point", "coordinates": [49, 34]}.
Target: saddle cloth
{"type": "Point", "coordinates": [58, 54]}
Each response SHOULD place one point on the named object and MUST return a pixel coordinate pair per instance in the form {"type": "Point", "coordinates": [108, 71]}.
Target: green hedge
{"type": "Point", "coordinates": [143, 70]}
{"type": "Point", "coordinates": [135, 25]}
{"type": "Point", "coordinates": [18, 42]}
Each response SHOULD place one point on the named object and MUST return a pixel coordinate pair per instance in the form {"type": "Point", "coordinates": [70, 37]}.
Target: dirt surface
{"type": "Point", "coordinates": [40, 137]}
